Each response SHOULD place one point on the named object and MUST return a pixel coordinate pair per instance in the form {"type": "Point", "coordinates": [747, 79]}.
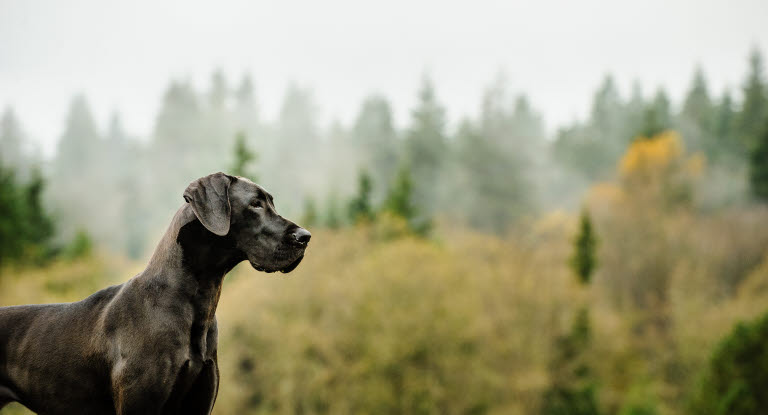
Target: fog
{"type": "Point", "coordinates": [121, 55]}
{"type": "Point", "coordinates": [516, 207]}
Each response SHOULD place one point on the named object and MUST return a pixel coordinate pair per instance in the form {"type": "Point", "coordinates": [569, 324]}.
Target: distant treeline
{"type": "Point", "coordinates": [488, 173]}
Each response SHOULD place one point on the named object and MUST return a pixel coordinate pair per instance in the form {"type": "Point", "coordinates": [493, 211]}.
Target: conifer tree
{"type": "Point", "coordinates": [698, 105]}
{"type": "Point", "coordinates": [573, 389]}
{"type": "Point", "coordinates": [758, 166]}
{"type": "Point", "coordinates": [400, 203]}
{"type": "Point", "coordinates": [657, 115]}
{"type": "Point", "coordinates": [754, 108]}
{"type": "Point", "coordinates": [332, 211]}
{"type": "Point", "coordinates": [583, 261]}
{"type": "Point", "coordinates": [723, 128]}
{"type": "Point", "coordinates": [360, 207]}
{"type": "Point", "coordinates": [376, 142]}
{"type": "Point", "coordinates": [426, 148]}
{"type": "Point", "coordinates": [399, 199]}
{"type": "Point", "coordinates": [11, 138]}
{"type": "Point", "coordinates": [309, 216]}
{"type": "Point", "coordinates": [244, 157]}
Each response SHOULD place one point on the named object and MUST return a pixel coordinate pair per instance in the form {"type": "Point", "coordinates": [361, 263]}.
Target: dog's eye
{"type": "Point", "coordinates": [257, 205]}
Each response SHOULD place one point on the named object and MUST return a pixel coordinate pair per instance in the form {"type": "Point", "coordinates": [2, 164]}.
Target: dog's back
{"type": "Point", "coordinates": [36, 346]}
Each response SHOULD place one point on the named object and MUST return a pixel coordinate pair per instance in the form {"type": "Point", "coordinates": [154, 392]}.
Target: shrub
{"type": "Point", "coordinates": [735, 381]}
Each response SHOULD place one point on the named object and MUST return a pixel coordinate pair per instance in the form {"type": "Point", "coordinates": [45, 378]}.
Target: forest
{"type": "Point", "coordinates": [617, 265]}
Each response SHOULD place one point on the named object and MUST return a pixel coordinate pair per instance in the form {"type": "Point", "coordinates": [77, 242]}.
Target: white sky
{"type": "Point", "coordinates": [123, 54]}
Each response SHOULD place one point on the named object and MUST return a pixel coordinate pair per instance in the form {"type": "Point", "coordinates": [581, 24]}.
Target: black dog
{"type": "Point", "coordinates": [148, 346]}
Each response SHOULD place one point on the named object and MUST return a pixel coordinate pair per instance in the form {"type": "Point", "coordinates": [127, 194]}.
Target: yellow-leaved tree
{"type": "Point", "coordinates": [640, 216]}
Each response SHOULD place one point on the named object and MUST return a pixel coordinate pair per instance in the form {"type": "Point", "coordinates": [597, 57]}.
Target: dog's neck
{"type": "Point", "coordinates": [191, 261]}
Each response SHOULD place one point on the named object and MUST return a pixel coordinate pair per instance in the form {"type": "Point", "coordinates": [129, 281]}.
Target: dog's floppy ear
{"type": "Point", "coordinates": [209, 198]}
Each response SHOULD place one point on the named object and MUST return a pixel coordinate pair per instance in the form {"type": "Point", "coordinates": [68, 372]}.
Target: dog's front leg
{"type": "Point", "coordinates": [141, 388]}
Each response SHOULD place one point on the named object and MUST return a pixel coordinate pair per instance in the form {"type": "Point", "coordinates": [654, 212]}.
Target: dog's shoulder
{"type": "Point", "coordinates": [102, 296]}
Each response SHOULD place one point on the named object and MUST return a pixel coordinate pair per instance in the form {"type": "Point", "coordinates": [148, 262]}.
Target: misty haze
{"type": "Point", "coordinates": [556, 208]}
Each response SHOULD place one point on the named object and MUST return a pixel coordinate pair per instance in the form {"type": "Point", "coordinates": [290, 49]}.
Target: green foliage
{"type": "Point", "coordinates": [309, 217]}
{"type": "Point", "coordinates": [426, 148]}
{"type": "Point", "coordinates": [399, 202]}
{"type": "Point", "coordinates": [80, 247]}
{"type": "Point", "coordinates": [592, 147]}
{"type": "Point", "coordinates": [573, 391]}
{"type": "Point", "coordinates": [360, 208]}
{"type": "Point", "coordinates": [496, 162]}
{"type": "Point", "coordinates": [11, 140]}
{"type": "Point", "coordinates": [697, 119]}
{"type": "Point", "coordinates": [658, 117]}
{"type": "Point", "coordinates": [244, 157]}
{"type": "Point", "coordinates": [25, 228]}
{"type": "Point", "coordinates": [754, 108]}
{"type": "Point", "coordinates": [758, 166]}
{"type": "Point", "coordinates": [399, 199]}
{"type": "Point", "coordinates": [584, 259]}
{"type": "Point", "coordinates": [735, 380]}
{"type": "Point", "coordinates": [376, 141]}
{"type": "Point", "coordinates": [333, 213]}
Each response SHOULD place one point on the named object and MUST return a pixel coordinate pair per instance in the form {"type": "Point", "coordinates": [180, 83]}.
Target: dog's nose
{"type": "Point", "coordinates": [302, 235]}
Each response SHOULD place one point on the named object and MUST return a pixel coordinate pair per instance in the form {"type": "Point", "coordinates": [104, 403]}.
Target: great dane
{"type": "Point", "coordinates": [148, 346]}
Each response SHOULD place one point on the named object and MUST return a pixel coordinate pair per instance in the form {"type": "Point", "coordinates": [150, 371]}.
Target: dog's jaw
{"type": "Point", "coordinates": [285, 269]}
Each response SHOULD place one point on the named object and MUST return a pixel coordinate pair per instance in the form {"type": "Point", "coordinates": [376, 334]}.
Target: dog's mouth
{"type": "Point", "coordinates": [286, 269]}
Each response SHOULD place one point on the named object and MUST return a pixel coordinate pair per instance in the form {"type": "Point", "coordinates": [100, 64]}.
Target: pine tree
{"type": "Point", "coordinates": [246, 113]}
{"type": "Point", "coordinates": [244, 157]}
{"type": "Point", "coordinates": [758, 166]}
{"type": "Point", "coordinates": [79, 146]}
{"type": "Point", "coordinates": [583, 261]}
{"type": "Point", "coordinates": [39, 225]}
{"type": "Point", "coordinates": [376, 142]}
{"type": "Point", "coordinates": [360, 207]}
{"type": "Point", "coordinates": [754, 109]}
{"type": "Point", "coordinates": [734, 380]}
{"type": "Point", "coordinates": [11, 139]}
{"type": "Point", "coordinates": [10, 215]}
{"type": "Point", "coordinates": [399, 202]}
{"type": "Point", "coordinates": [573, 389]}
{"type": "Point", "coordinates": [309, 216]}
{"type": "Point", "coordinates": [332, 211]}
{"type": "Point", "coordinates": [426, 148]}
{"type": "Point", "coordinates": [606, 109]}
{"type": "Point", "coordinates": [657, 115]}
{"type": "Point", "coordinates": [297, 145]}
{"type": "Point", "coordinates": [724, 121]}
{"type": "Point", "coordinates": [698, 105]}
{"type": "Point", "coordinates": [219, 90]}
{"type": "Point", "coordinates": [25, 227]}
{"type": "Point", "coordinates": [697, 117]}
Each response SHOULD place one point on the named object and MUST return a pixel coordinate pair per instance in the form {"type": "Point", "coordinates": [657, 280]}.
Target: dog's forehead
{"type": "Point", "coordinates": [245, 188]}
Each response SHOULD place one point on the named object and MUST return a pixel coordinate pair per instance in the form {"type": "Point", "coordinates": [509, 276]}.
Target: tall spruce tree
{"type": "Point", "coordinates": [25, 227]}
{"type": "Point", "coordinates": [584, 260]}
{"type": "Point", "coordinates": [244, 157]}
{"type": "Point", "coordinates": [11, 140]}
{"type": "Point", "coordinates": [658, 116]}
{"type": "Point", "coordinates": [360, 207]}
{"type": "Point", "coordinates": [426, 148]}
{"type": "Point", "coordinates": [754, 108]}
{"type": "Point", "coordinates": [573, 389]}
{"type": "Point", "coordinates": [697, 117]}
{"type": "Point", "coordinates": [376, 142]}
{"type": "Point", "coordinates": [79, 146]}
{"type": "Point", "coordinates": [758, 166]}
{"type": "Point", "coordinates": [723, 128]}
{"type": "Point", "coordinates": [399, 202]}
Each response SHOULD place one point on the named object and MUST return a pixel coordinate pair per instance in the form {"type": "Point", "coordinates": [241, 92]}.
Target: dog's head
{"type": "Point", "coordinates": [244, 212]}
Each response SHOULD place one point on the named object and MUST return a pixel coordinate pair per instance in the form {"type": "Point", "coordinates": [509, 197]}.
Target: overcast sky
{"type": "Point", "coordinates": [123, 54]}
